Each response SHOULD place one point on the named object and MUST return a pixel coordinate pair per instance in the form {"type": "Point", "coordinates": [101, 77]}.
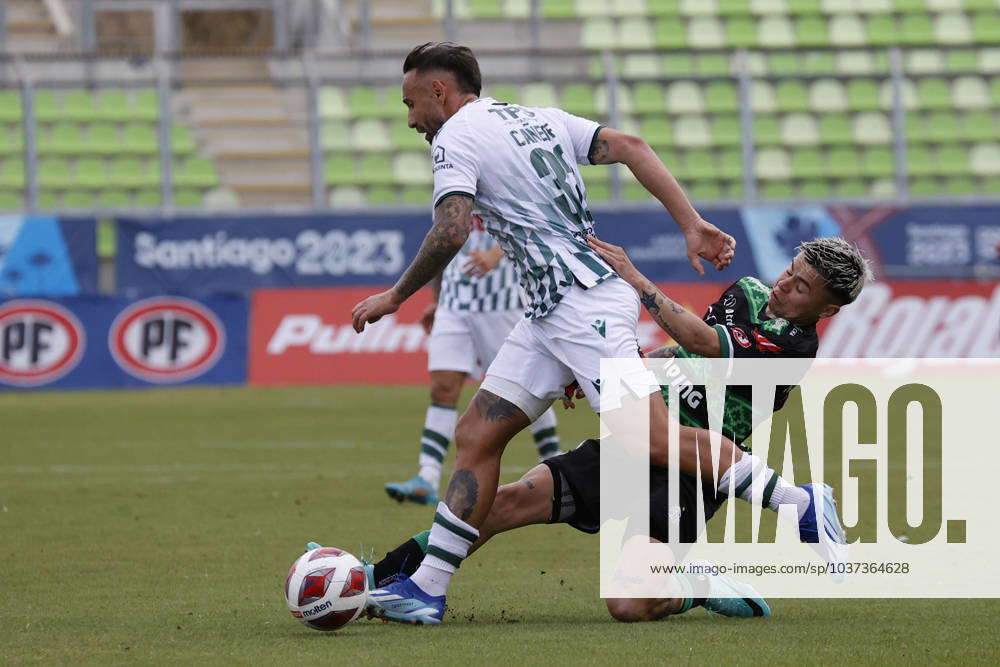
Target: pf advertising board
{"type": "Point", "coordinates": [77, 343]}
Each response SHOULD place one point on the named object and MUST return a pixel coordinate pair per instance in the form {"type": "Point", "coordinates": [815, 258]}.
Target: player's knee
{"type": "Point", "coordinates": [445, 392]}
{"type": "Point", "coordinates": [629, 610]}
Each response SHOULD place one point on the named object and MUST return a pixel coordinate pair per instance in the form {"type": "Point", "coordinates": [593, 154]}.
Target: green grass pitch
{"type": "Point", "coordinates": [157, 527]}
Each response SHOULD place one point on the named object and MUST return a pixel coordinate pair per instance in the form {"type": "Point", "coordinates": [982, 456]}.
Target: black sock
{"type": "Point", "coordinates": [698, 602]}
{"type": "Point", "coordinates": [403, 559]}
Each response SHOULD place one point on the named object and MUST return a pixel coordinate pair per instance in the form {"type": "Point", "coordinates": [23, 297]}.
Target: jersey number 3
{"type": "Point", "coordinates": [569, 198]}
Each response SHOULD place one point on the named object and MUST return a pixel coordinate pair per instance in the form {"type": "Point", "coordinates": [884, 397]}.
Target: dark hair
{"type": "Point", "coordinates": [459, 60]}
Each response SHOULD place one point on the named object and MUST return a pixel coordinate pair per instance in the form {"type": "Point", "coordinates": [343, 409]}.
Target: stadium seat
{"type": "Point", "coordinates": [706, 190]}
{"type": "Point", "coordinates": [692, 131]}
{"type": "Point", "coordinates": [365, 102]}
{"type": "Point", "coordinates": [700, 164]}
{"type": "Point", "coordinates": [872, 128]}
{"type": "Point", "coordinates": [726, 131]}
{"type": "Point", "coordinates": [952, 28]}
{"type": "Point", "coordinates": [878, 162]}
{"type": "Point", "coordinates": [196, 172]}
{"type": "Point", "coordinates": [10, 201]}
{"type": "Point", "coordinates": [648, 98]}
{"type": "Point", "coordinates": [412, 169]}
{"type": "Point", "coordinates": [55, 174]}
{"type": "Point", "coordinates": [129, 172]}
{"type": "Point", "coordinates": [148, 198]}
{"type": "Point", "coordinates": [772, 164]}
{"type": "Point", "coordinates": [919, 161]}
{"type": "Point", "coordinates": [953, 160]}
{"type": "Point", "coordinates": [111, 199]}
{"type": "Point", "coordinates": [959, 186]}
{"type": "Point", "coordinates": [403, 137]}
{"type": "Point", "coordinates": [62, 139]}
{"type": "Point", "coordinates": [775, 32]}
{"type": "Point", "coordinates": [381, 196]}
{"type": "Point", "coordinates": [187, 198]}
{"type": "Point", "coordinates": [78, 105]}
{"type": "Point", "coordinates": [642, 66]}
{"type": "Point", "coordinates": [335, 136]}
{"type": "Point", "coordinates": [669, 33]}
{"type": "Point", "coordinates": [578, 98]}
{"type": "Point", "coordinates": [91, 174]}
{"type": "Point", "coordinates": [12, 173]}
{"type": "Point", "coordinates": [680, 64]}
{"type": "Point", "coordinates": [882, 30]}
{"type": "Point", "coordinates": [933, 93]}
{"type": "Point", "coordinates": [47, 109]}
{"type": "Point", "coordinates": [943, 127]}
{"type": "Point", "coordinates": [664, 7]}
{"type": "Point", "coordinates": [970, 92]}
{"type": "Point", "coordinates": [843, 162]}
{"type": "Point", "coordinates": [811, 31]}
{"type": "Point", "coordinates": [916, 30]}
{"type": "Point", "coordinates": [539, 95]}
{"type": "Point", "coordinates": [851, 189]}
{"type": "Point", "coordinates": [980, 126]}
{"type": "Point", "coordinates": [808, 163]}
{"type": "Point", "coordinates": [375, 170]}
{"type": "Point", "coordinates": [333, 104]}
{"type": "Point", "coordinates": [504, 93]}
{"type": "Point", "coordinates": [416, 196]}
{"type": "Point", "coordinates": [835, 129]}
{"type": "Point", "coordinates": [815, 189]}
{"type": "Point", "coordinates": [799, 129]}
{"type": "Point", "coordinates": [78, 199]}
{"type": "Point", "coordinates": [139, 139]}
{"type": "Point", "coordinates": [11, 140]}
{"type": "Point", "coordinates": [827, 95]}
{"type": "Point", "coordinates": [113, 105]}
{"type": "Point", "coordinates": [370, 134]}
{"type": "Point", "coordinates": [791, 96]}
{"type": "Point", "coordinates": [146, 107]}
{"type": "Point", "coordinates": [181, 140]}
{"type": "Point", "coordinates": [730, 163]}
{"type": "Point", "coordinates": [766, 131]}
{"type": "Point", "coordinates": [777, 190]}
{"type": "Point", "coordinates": [961, 60]}
{"type": "Point", "coordinates": [635, 33]}
{"type": "Point", "coordinates": [741, 32]}
{"type": "Point", "coordinates": [656, 131]}
{"type": "Point", "coordinates": [486, 9]}
{"type": "Point", "coordinates": [598, 34]}
{"type": "Point", "coordinates": [862, 95]}
{"type": "Point", "coordinates": [10, 106]}
{"type": "Point", "coordinates": [925, 61]}
{"type": "Point", "coordinates": [762, 97]}
{"type": "Point", "coordinates": [714, 64]}
{"type": "Point", "coordinates": [706, 32]}
{"type": "Point", "coordinates": [721, 96]}
{"type": "Point", "coordinates": [986, 27]}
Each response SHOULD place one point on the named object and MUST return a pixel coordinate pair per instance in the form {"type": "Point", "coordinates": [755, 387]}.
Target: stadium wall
{"type": "Point", "coordinates": [267, 300]}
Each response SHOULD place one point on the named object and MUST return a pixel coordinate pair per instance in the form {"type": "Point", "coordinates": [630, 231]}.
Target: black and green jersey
{"type": "Point", "coordinates": [740, 319]}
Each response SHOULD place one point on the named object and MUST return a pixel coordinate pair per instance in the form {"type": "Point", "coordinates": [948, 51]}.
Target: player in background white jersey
{"type": "Point", "coordinates": [477, 302]}
{"type": "Point", "coordinates": [517, 168]}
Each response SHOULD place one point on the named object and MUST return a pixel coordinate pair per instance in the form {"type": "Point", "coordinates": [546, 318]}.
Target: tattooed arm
{"type": "Point", "coordinates": [684, 327]}
{"type": "Point", "coordinates": [703, 239]}
{"type": "Point", "coordinates": [665, 352]}
{"type": "Point", "coordinates": [442, 242]}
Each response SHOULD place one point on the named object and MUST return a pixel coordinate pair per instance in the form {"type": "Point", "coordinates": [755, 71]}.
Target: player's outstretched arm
{"type": "Point", "coordinates": [684, 327]}
{"type": "Point", "coordinates": [442, 242]}
{"type": "Point", "coordinates": [703, 239]}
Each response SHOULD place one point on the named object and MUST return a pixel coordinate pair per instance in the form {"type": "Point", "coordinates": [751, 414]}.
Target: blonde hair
{"type": "Point", "coordinates": [842, 266]}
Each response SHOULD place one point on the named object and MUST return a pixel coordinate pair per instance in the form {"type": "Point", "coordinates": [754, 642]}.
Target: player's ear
{"type": "Point", "coordinates": [831, 310]}
{"type": "Point", "coordinates": [438, 88]}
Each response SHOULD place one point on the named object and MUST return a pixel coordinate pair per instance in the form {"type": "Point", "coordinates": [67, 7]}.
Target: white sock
{"type": "Point", "coordinates": [774, 490]}
{"type": "Point", "coordinates": [439, 429]}
{"type": "Point", "coordinates": [447, 547]}
{"type": "Point", "coordinates": [546, 438]}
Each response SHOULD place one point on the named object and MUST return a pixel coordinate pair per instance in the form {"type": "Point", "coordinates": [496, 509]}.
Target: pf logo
{"type": "Point", "coordinates": [166, 339]}
{"type": "Point", "coordinates": [40, 341]}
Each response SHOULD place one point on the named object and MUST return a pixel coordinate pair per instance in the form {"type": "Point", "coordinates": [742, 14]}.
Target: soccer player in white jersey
{"type": "Point", "coordinates": [477, 302]}
{"type": "Point", "coordinates": [516, 167]}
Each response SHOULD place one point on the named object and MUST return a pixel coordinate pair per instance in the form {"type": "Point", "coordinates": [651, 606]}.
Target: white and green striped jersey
{"type": "Point", "coordinates": [498, 290]}
{"type": "Point", "coordinates": [520, 165]}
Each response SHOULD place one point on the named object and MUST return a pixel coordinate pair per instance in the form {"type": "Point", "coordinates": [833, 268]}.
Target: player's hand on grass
{"type": "Point", "coordinates": [373, 308]}
{"type": "Point", "coordinates": [706, 241]}
{"type": "Point", "coordinates": [427, 319]}
{"type": "Point", "coordinates": [482, 262]}
{"type": "Point", "coordinates": [615, 257]}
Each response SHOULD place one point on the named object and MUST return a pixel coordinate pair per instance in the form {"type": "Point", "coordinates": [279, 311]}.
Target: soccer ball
{"type": "Point", "coordinates": [326, 588]}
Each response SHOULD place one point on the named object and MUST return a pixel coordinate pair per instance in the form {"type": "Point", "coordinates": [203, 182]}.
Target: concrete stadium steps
{"type": "Point", "coordinates": [30, 29]}
{"type": "Point", "coordinates": [255, 133]}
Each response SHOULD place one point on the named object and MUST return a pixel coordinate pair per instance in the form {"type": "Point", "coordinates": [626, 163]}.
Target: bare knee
{"type": "Point", "coordinates": [446, 387]}
{"type": "Point", "coordinates": [631, 610]}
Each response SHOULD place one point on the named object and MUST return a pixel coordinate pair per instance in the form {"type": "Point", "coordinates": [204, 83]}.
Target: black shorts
{"type": "Point", "coordinates": [576, 499]}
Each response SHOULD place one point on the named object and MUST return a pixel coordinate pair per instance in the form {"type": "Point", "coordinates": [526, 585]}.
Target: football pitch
{"type": "Point", "coordinates": [158, 526]}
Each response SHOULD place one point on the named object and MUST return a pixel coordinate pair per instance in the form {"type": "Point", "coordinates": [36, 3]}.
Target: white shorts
{"type": "Point", "coordinates": [544, 355]}
{"type": "Point", "coordinates": [468, 341]}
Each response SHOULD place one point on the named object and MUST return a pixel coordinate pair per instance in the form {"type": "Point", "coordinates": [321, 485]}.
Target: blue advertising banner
{"type": "Point", "coordinates": [106, 342]}
{"type": "Point", "coordinates": [221, 254]}
{"type": "Point", "coordinates": [43, 256]}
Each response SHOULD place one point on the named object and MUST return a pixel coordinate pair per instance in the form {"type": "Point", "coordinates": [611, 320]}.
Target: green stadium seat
{"type": "Point", "coordinates": [365, 102]}
{"type": "Point", "coordinates": [952, 28]}
{"type": "Point", "coordinates": [664, 7]}
{"type": "Point", "coordinates": [137, 138]}
{"type": "Point", "coordinates": [181, 140]}
{"type": "Point", "coordinates": [960, 186]}
{"type": "Point", "coordinates": [113, 105]}
{"type": "Point", "coordinates": [147, 106]}
{"type": "Point", "coordinates": [862, 95]}
{"type": "Point", "coordinates": [943, 128]}
{"type": "Point", "coordinates": [766, 131]}
{"type": "Point", "coordinates": [375, 170]}
{"type": "Point", "coordinates": [196, 172]}
{"type": "Point", "coordinates": [792, 96]}
{"type": "Point", "coordinates": [187, 198]}
{"type": "Point", "coordinates": [986, 27]}
{"type": "Point", "coordinates": [726, 131]}
{"type": "Point", "coordinates": [10, 106]}
{"type": "Point", "coordinates": [110, 199]}
{"type": "Point", "coordinates": [504, 93]}
{"type": "Point", "coordinates": [11, 140]}
{"type": "Point", "coordinates": [48, 200]}
{"type": "Point", "coordinates": [657, 131]}
{"type": "Point", "coordinates": [62, 139]}
{"type": "Point", "coordinates": [933, 93]}
{"type": "Point", "coordinates": [648, 98]}
{"type": "Point", "coordinates": [808, 163]}
{"type": "Point", "coordinates": [47, 109]}
{"type": "Point", "coordinates": [381, 196]}
{"type": "Point", "coordinates": [416, 196]}
{"type": "Point", "coordinates": [403, 137]}
{"type": "Point", "coordinates": [669, 33]}
{"type": "Point", "coordinates": [805, 7]}
{"type": "Point", "coordinates": [799, 129]}
{"type": "Point", "coordinates": [721, 97]}
{"type": "Point", "coordinates": [10, 201]}
{"type": "Point", "coordinates": [916, 128]}
{"type": "Point", "coordinates": [733, 7]}
{"type": "Point", "coordinates": [916, 30]}
{"type": "Point", "coordinates": [741, 33]}
{"type": "Point", "coordinates": [598, 193]}
{"type": "Point", "coordinates": [714, 64]}
{"type": "Point", "coordinates": [335, 135]}
{"type": "Point", "coordinates": [910, 6]}
{"type": "Point", "coordinates": [539, 95]}
{"type": "Point", "coordinates": [333, 104]}
{"type": "Point", "coordinates": [578, 98]}
{"type": "Point", "coordinates": [370, 134]}
{"type": "Point", "coordinates": [706, 32]}
{"type": "Point", "coordinates": [700, 164]}
{"type": "Point", "coordinates": [55, 174]}
{"type": "Point", "coordinates": [730, 164]}
{"type": "Point", "coordinates": [953, 160]}
{"type": "Point", "coordinates": [835, 129]}
{"type": "Point", "coordinates": [919, 161]}
{"type": "Point", "coordinates": [984, 159]}
{"type": "Point", "coordinates": [91, 173]}
{"type": "Point", "coordinates": [635, 192]}
{"type": "Point", "coordinates": [775, 32]}
{"type": "Point", "coordinates": [148, 198]}
{"type": "Point", "coordinates": [78, 199]}
{"type": "Point", "coordinates": [882, 30]}
{"type": "Point", "coordinates": [412, 169]}
{"type": "Point", "coordinates": [778, 190]}
{"type": "Point", "coordinates": [772, 164]}
{"type": "Point", "coordinates": [815, 189]}
{"type": "Point", "coordinates": [827, 95]}
{"type": "Point", "coordinates": [961, 60]}
{"type": "Point", "coordinates": [811, 31]}
{"type": "Point", "coordinates": [598, 34]}
{"type": "Point", "coordinates": [878, 162]}
{"type": "Point", "coordinates": [872, 128]}
{"type": "Point", "coordinates": [970, 92]}
{"type": "Point", "coordinates": [556, 9]}
{"type": "Point", "coordinates": [980, 126]}
{"type": "Point", "coordinates": [852, 188]}
{"type": "Point", "coordinates": [706, 190]}
{"type": "Point", "coordinates": [784, 63]}
{"type": "Point", "coordinates": [692, 131]}
{"type": "Point", "coordinates": [843, 162]}
{"type": "Point", "coordinates": [486, 9]}
{"type": "Point", "coordinates": [12, 173]}
{"type": "Point", "coordinates": [79, 105]}
{"type": "Point", "coordinates": [130, 172]}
